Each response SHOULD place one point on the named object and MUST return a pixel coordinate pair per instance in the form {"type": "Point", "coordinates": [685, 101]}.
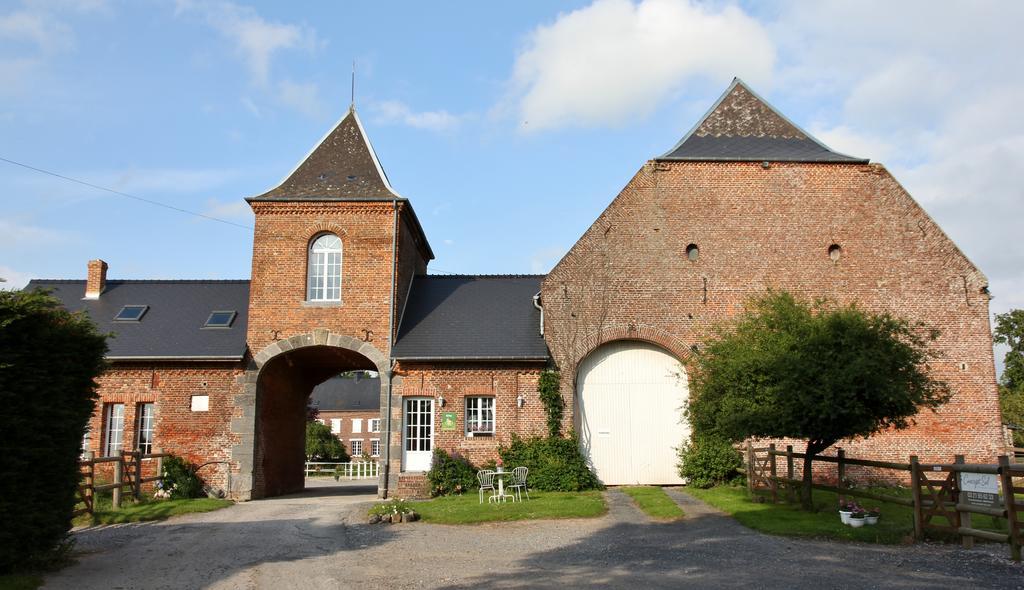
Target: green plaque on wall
{"type": "Point", "coordinates": [447, 420]}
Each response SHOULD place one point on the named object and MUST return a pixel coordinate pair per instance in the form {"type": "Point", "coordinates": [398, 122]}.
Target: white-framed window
{"type": "Point", "coordinates": [374, 425]}
{"type": "Point", "coordinates": [479, 416]}
{"type": "Point", "coordinates": [357, 425]}
{"type": "Point", "coordinates": [355, 447]}
{"type": "Point", "coordinates": [86, 440]}
{"type": "Point", "coordinates": [335, 425]}
{"type": "Point", "coordinates": [324, 270]}
{"type": "Point", "coordinates": [113, 433]}
{"type": "Point", "coordinates": [200, 403]}
{"type": "Point", "coordinates": [145, 419]}
{"type": "Point", "coordinates": [375, 447]}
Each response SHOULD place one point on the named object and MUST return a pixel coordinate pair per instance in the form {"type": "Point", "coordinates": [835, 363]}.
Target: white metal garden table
{"type": "Point", "coordinates": [500, 496]}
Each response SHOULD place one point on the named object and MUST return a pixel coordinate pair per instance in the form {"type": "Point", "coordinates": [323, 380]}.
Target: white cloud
{"type": "Point", "coordinates": [38, 28]}
{"type": "Point", "coordinates": [256, 39]}
{"type": "Point", "coordinates": [145, 182]}
{"type": "Point", "coordinates": [303, 97]}
{"type": "Point", "coordinates": [14, 279]}
{"type": "Point", "coordinates": [615, 60]}
{"type": "Point", "coordinates": [236, 209]}
{"type": "Point", "coordinates": [14, 234]}
{"type": "Point", "coordinates": [393, 111]}
{"type": "Point", "coordinates": [251, 107]}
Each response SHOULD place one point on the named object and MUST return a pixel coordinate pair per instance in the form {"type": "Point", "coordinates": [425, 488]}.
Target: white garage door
{"type": "Point", "coordinates": [631, 396]}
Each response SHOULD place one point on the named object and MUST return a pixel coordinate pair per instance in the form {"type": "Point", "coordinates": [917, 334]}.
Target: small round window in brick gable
{"type": "Point", "coordinates": [692, 252]}
{"type": "Point", "coordinates": [835, 252]}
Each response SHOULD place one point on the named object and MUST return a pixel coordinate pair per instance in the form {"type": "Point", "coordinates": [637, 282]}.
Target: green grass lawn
{"type": "Point", "coordinates": [146, 509]}
{"type": "Point", "coordinates": [654, 501]}
{"type": "Point", "coordinates": [467, 509]}
{"type": "Point", "coordinates": [20, 582]}
{"type": "Point", "coordinates": [895, 526]}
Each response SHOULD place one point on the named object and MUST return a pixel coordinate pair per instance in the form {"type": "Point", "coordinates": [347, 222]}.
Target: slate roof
{"type": "Point", "coordinates": [343, 166]}
{"type": "Point", "coordinates": [471, 318]}
{"type": "Point", "coordinates": [339, 394]}
{"type": "Point", "coordinates": [742, 126]}
{"type": "Point", "coordinates": [172, 327]}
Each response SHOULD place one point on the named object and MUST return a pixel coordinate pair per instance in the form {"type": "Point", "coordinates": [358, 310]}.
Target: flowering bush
{"type": "Point", "coordinates": [395, 506]}
{"type": "Point", "coordinates": [179, 480]}
{"type": "Point", "coordinates": [850, 506]}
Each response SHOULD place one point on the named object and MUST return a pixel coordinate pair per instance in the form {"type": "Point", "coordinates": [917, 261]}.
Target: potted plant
{"type": "Point", "coordinates": [499, 465]}
{"type": "Point", "coordinates": [845, 510]}
{"type": "Point", "coordinates": [872, 515]}
{"type": "Point", "coordinates": [856, 519]}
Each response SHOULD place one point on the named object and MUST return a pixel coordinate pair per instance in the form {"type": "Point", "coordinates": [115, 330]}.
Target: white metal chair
{"type": "Point", "coordinates": [519, 482]}
{"type": "Point", "coordinates": [486, 479]}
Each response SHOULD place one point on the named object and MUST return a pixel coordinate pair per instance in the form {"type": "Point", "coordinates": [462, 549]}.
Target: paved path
{"type": "Point", "coordinates": [318, 540]}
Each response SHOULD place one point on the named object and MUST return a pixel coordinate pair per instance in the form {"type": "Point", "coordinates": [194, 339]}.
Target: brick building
{"type": "Point", "coordinates": [222, 371]}
{"type": "Point", "coordinates": [350, 405]}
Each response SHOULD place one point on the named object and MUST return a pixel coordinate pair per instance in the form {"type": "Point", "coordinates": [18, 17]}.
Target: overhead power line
{"type": "Point", "coordinates": [124, 194]}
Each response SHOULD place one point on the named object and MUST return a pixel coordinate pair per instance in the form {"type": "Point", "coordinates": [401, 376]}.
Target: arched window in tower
{"type": "Point", "coordinates": [324, 269]}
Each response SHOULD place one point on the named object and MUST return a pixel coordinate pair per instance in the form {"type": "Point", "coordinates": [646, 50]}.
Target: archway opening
{"type": "Point", "coordinates": [285, 385]}
{"type": "Point", "coordinates": [630, 399]}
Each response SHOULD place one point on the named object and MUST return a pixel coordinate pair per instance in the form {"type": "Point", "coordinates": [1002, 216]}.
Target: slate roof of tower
{"type": "Point", "coordinates": [342, 167]}
{"type": "Point", "coordinates": [471, 318]}
{"type": "Point", "coordinates": [742, 126]}
{"type": "Point", "coordinates": [340, 394]}
{"type": "Point", "coordinates": [172, 326]}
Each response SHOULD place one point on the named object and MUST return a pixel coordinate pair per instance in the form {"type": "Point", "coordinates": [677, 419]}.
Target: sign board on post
{"type": "Point", "coordinates": [979, 489]}
{"type": "Point", "coordinates": [448, 420]}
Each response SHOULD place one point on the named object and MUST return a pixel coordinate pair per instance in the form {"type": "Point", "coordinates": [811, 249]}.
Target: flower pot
{"type": "Point", "coordinates": [871, 520]}
{"type": "Point", "coordinates": [856, 522]}
{"type": "Point", "coordinates": [844, 516]}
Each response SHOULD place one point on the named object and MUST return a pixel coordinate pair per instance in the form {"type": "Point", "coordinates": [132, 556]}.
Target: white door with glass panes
{"type": "Point", "coordinates": [418, 434]}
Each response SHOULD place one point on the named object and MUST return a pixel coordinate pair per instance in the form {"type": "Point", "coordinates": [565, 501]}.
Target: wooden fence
{"type": "Point", "coordinates": [935, 490]}
{"type": "Point", "coordinates": [127, 468]}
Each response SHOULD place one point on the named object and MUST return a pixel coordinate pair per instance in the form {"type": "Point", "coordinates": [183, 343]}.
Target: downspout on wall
{"type": "Point", "coordinates": [391, 341]}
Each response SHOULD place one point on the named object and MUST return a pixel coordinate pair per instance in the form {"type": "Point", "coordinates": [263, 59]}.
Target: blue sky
{"type": "Point", "coordinates": [510, 126]}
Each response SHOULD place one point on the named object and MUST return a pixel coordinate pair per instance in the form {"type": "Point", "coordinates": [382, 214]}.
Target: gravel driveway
{"type": "Point", "coordinates": [318, 540]}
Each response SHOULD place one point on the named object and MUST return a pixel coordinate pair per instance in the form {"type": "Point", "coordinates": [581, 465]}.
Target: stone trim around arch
{"type": "Point", "coordinates": [243, 425]}
{"type": "Point", "coordinates": [642, 332]}
{"type": "Point", "coordinates": [323, 337]}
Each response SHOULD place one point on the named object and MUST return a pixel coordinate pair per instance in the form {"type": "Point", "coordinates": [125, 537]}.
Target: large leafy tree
{"type": "Point", "coordinates": [1010, 331]}
{"type": "Point", "coordinates": [49, 361]}
{"type": "Point", "coordinates": [322, 445]}
{"type": "Point", "coordinates": [813, 371]}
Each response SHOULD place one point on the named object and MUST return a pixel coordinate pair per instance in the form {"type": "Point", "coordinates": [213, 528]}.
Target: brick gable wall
{"type": "Point", "coordinates": [759, 228]}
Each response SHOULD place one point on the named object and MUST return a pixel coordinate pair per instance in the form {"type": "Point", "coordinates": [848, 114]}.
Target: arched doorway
{"type": "Point", "coordinates": [630, 398]}
{"type": "Point", "coordinates": [274, 406]}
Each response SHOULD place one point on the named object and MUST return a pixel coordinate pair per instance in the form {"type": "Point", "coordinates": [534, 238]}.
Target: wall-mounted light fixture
{"type": "Point", "coordinates": [440, 401]}
{"type": "Point", "coordinates": [520, 400]}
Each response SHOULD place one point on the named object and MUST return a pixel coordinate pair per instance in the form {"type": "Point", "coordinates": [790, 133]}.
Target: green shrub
{"type": "Point", "coordinates": [49, 361]}
{"type": "Point", "coordinates": [707, 461]}
{"type": "Point", "coordinates": [393, 506]}
{"type": "Point", "coordinates": [450, 474]}
{"type": "Point", "coordinates": [548, 386]}
{"type": "Point", "coordinates": [180, 479]}
{"type": "Point", "coordinates": [555, 463]}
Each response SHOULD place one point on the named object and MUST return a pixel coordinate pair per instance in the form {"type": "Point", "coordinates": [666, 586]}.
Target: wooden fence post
{"type": "Point", "coordinates": [773, 473]}
{"type": "Point", "coordinates": [115, 494]}
{"type": "Point", "coordinates": [750, 468]}
{"type": "Point", "coordinates": [789, 473]}
{"type": "Point", "coordinates": [840, 462]}
{"type": "Point", "coordinates": [1010, 502]}
{"type": "Point", "coordinates": [915, 488]}
{"type": "Point", "coordinates": [137, 475]}
{"type": "Point", "coordinates": [965, 518]}
{"type": "Point", "coordinates": [159, 465]}
{"type": "Point", "coordinates": [91, 476]}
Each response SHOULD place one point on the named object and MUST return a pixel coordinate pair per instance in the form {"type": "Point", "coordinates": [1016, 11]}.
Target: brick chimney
{"type": "Point", "coordinates": [97, 280]}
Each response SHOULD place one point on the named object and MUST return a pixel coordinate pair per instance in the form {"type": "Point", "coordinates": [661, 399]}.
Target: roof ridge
{"type": "Point", "coordinates": [485, 276]}
{"type": "Point", "coordinates": [136, 281]}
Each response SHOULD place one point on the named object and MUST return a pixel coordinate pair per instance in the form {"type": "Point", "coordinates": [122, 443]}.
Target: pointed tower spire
{"type": "Point", "coordinates": [342, 167]}
{"type": "Point", "coordinates": [742, 126]}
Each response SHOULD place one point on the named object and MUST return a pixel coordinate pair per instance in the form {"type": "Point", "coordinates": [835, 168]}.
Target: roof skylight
{"type": "Point", "coordinates": [131, 313]}
{"type": "Point", "coordinates": [220, 319]}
